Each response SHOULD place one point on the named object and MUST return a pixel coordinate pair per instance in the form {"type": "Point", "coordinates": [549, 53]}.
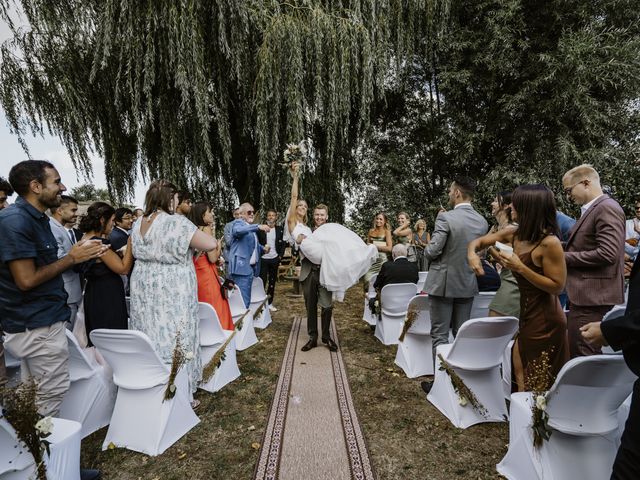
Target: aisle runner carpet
{"type": "Point", "coordinates": [313, 430]}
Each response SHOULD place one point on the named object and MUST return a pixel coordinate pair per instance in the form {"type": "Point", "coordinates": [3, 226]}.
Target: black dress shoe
{"type": "Point", "coordinates": [426, 386]}
{"type": "Point", "coordinates": [89, 474]}
{"type": "Point", "coordinates": [331, 345]}
{"type": "Point", "coordinates": [312, 343]}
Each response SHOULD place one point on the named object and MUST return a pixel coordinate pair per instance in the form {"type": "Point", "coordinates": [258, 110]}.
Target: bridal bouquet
{"type": "Point", "coordinates": [295, 153]}
{"type": "Point", "coordinates": [32, 430]}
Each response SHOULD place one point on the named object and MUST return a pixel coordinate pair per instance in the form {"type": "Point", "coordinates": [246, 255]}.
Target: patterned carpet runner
{"type": "Point", "coordinates": [313, 430]}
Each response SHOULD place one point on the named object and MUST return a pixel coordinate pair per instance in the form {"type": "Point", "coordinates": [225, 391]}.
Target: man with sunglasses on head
{"type": "Point", "coordinates": [245, 250]}
{"type": "Point", "coordinates": [594, 253]}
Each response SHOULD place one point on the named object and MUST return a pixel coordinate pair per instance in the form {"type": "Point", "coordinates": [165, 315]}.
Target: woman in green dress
{"type": "Point", "coordinates": [403, 234]}
{"type": "Point", "coordinates": [380, 236]}
{"type": "Point", "coordinates": [507, 299]}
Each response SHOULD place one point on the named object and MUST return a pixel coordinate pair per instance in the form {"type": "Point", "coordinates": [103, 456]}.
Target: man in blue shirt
{"type": "Point", "coordinates": [33, 301]}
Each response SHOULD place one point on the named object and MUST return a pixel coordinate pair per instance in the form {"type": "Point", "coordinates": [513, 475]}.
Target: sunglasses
{"type": "Point", "coordinates": [250, 212]}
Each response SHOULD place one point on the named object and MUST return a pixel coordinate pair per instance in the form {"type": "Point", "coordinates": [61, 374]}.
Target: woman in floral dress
{"type": "Point", "coordinates": [164, 295]}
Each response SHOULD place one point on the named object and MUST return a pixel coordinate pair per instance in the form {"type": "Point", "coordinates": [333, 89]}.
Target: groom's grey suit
{"type": "Point", "coordinates": [451, 284]}
{"type": "Point", "coordinates": [315, 294]}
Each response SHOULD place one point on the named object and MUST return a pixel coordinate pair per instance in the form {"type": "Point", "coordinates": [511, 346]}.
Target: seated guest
{"type": "Point", "coordinates": [104, 302]}
{"type": "Point", "coordinates": [537, 262]}
{"type": "Point", "coordinates": [67, 213]}
{"type": "Point", "coordinates": [206, 263]}
{"type": "Point", "coordinates": [398, 270]}
{"type": "Point", "coordinates": [120, 233]}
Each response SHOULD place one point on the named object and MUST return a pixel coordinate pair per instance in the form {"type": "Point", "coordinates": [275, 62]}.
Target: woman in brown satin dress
{"type": "Point", "coordinates": [539, 267]}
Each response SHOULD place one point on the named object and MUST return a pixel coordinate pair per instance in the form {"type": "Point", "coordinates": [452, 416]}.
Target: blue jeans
{"type": "Point", "coordinates": [244, 284]}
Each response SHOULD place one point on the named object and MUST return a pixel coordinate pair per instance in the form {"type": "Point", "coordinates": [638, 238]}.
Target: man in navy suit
{"type": "Point", "coordinates": [245, 251]}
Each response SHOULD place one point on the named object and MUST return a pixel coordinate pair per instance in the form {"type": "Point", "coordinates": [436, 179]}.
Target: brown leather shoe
{"type": "Point", "coordinates": [331, 345]}
{"type": "Point", "coordinates": [312, 343]}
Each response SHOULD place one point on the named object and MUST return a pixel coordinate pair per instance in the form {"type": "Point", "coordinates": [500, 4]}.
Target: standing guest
{"type": "Point", "coordinates": [421, 238]}
{"type": "Point", "coordinates": [380, 236]}
{"type": "Point", "coordinates": [120, 233]}
{"type": "Point", "coordinates": [67, 213]}
{"type": "Point", "coordinates": [632, 236]}
{"type": "Point", "coordinates": [137, 213]}
{"type": "Point", "coordinates": [104, 302]}
{"type": "Point", "coordinates": [403, 233]}
{"type": "Point", "coordinates": [451, 284]}
{"type": "Point", "coordinates": [398, 270]}
{"type": "Point", "coordinates": [33, 302]}
{"type": "Point", "coordinates": [538, 265]}
{"type": "Point", "coordinates": [164, 300]}
{"type": "Point", "coordinates": [270, 261]}
{"type": "Point", "coordinates": [245, 251]}
{"type": "Point", "coordinates": [184, 203]}
{"type": "Point", "coordinates": [623, 333]}
{"type": "Point", "coordinates": [507, 299]}
{"type": "Point", "coordinates": [594, 254]}
{"type": "Point", "coordinates": [206, 265]}
{"type": "Point", "coordinates": [565, 224]}
{"type": "Point", "coordinates": [226, 235]}
{"type": "Point", "coordinates": [5, 192]}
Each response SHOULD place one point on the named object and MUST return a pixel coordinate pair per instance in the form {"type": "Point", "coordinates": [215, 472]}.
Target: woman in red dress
{"type": "Point", "coordinates": [209, 284]}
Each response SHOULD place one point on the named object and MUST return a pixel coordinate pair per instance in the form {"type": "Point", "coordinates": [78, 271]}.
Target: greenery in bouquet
{"type": "Point", "coordinates": [538, 381]}
{"type": "Point", "coordinates": [465, 394]}
{"type": "Point", "coordinates": [295, 153]}
{"type": "Point", "coordinates": [180, 358]}
{"type": "Point", "coordinates": [19, 408]}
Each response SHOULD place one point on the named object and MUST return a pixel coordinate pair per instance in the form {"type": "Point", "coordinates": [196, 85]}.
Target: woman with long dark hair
{"type": "Point", "coordinates": [104, 300]}
{"type": "Point", "coordinates": [209, 285]}
{"type": "Point", "coordinates": [537, 262]}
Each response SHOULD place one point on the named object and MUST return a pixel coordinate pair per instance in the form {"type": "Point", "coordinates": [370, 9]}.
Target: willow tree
{"type": "Point", "coordinates": [208, 93]}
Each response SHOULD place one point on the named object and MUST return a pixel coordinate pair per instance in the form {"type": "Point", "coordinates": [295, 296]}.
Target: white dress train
{"type": "Point", "coordinates": [342, 255]}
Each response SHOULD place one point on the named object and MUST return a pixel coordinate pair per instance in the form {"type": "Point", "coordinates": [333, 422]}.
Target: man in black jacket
{"type": "Point", "coordinates": [271, 260]}
{"type": "Point", "coordinates": [623, 333]}
{"type": "Point", "coordinates": [398, 270]}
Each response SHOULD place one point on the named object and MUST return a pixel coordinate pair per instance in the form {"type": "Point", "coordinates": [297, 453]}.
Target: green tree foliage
{"type": "Point", "coordinates": [88, 192]}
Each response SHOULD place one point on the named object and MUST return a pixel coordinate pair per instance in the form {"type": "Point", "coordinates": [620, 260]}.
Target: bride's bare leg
{"type": "Point", "coordinates": [518, 369]}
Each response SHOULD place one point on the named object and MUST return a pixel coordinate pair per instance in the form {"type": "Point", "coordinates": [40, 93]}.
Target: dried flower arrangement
{"type": "Point", "coordinates": [295, 153]}
{"type": "Point", "coordinates": [538, 381]}
{"type": "Point", "coordinates": [240, 322]}
{"type": "Point", "coordinates": [210, 368]}
{"type": "Point", "coordinates": [412, 316]}
{"type": "Point", "coordinates": [259, 310]}
{"type": "Point", "coordinates": [180, 358]}
{"type": "Point", "coordinates": [465, 395]}
{"type": "Point", "coordinates": [21, 411]}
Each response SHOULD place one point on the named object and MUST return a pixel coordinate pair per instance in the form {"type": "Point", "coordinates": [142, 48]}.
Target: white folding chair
{"type": "Point", "coordinates": [246, 336]}
{"type": "Point", "coordinates": [17, 463]}
{"type": "Point", "coordinates": [142, 420]}
{"type": "Point", "coordinates": [583, 406]}
{"type": "Point", "coordinates": [615, 312]}
{"type": "Point", "coordinates": [481, 302]}
{"type": "Point", "coordinates": [367, 316]}
{"type": "Point", "coordinates": [394, 299]}
{"type": "Point", "coordinates": [212, 337]}
{"type": "Point", "coordinates": [475, 355]}
{"type": "Point", "coordinates": [258, 297]}
{"type": "Point", "coordinates": [92, 393]}
{"type": "Point", "coordinates": [422, 278]}
{"type": "Point", "coordinates": [414, 354]}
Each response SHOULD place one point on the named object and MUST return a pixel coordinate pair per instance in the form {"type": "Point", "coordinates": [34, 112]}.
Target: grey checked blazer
{"type": "Point", "coordinates": [449, 272]}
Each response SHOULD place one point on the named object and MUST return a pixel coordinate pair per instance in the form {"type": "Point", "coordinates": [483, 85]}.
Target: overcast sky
{"type": "Point", "coordinates": [51, 149]}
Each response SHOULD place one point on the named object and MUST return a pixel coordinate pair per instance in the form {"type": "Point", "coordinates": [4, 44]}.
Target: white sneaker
{"type": "Point", "coordinates": [272, 308]}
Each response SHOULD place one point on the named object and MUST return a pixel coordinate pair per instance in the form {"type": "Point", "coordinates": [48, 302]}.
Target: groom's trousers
{"type": "Point", "coordinates": [315, 294]}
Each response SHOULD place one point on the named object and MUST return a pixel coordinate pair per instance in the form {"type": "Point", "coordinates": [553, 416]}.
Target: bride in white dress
{"type": "Point", "coordinates": [342, 255]}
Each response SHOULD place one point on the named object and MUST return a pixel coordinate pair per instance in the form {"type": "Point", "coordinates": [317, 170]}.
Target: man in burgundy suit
{"type": "Point", "coordinates": [594, 254]}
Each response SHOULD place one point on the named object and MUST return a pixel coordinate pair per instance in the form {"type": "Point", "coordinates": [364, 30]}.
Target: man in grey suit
{"type": "Point", "coordinates": [67, 213]}
{"type": "Point", "coordinates": [451, 284]}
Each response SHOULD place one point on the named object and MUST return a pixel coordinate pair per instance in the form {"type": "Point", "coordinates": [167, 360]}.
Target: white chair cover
{"type": "Point", "coordinates": [16, 462]}
{"type": "Point", "coordinates": [476, 355]}
{"type": "Point", "coordinates": [212, 337]}
{"type": "Point", "coordinates": [367, 316]}
{"type": "Point", "coordinates": [414, 352]}
{"type": "Point", "coordinates": [506, 370]}
{"type": "Point", "coordinates": [246, 336]}
{"type": "Point", "coordinates": [422, 277]}
{"type": "Point", "coordinates": [258, 296]}
{"type": "Point", "coordinates": [583, 407]}
{"type": "Point", "coordinates": [142, 420]}
{"type": "Point", "coordinates": [395, 300]}
{"type": "Point", "coordinates": [92, 393]}
{"type": "Point", "coordinates": [615, 312]}
{"type": "Point", "coordinates": [481, 301]}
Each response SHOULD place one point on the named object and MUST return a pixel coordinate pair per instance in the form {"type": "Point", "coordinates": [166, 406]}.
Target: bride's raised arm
{"type": "Point", "coordinates": [291, 214]}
